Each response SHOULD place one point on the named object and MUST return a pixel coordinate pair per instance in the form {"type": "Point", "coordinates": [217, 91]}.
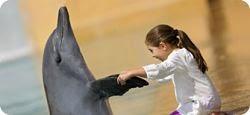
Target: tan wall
{"type": "Point", "coordinates": [111, 35]}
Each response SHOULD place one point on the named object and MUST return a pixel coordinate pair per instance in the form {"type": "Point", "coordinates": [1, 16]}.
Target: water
{"type": "Point", "coordinates": [21, 91]}
{"type": "Point", "coordinates": [21, 88]}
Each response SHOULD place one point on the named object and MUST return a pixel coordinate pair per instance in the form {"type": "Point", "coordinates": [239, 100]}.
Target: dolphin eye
{"type": "Point", "coordinates": [57, 55]}
{"type": "Point", "coordinates": [58, 59]}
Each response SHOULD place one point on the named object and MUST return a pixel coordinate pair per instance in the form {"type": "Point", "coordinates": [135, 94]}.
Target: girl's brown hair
{"type": "Point", "coordinates": [177, 38]}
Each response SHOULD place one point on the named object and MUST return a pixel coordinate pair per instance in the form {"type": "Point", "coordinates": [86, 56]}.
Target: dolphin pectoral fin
{"type": "Point", "coordinates": [108, 86]}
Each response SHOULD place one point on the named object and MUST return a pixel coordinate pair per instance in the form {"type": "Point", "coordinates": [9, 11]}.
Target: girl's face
{"type": "Point", "coordinates": [161, 52]}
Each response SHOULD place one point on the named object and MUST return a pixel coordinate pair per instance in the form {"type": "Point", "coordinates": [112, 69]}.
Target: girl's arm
{"type": "Point", "coordinates": [125, 75]}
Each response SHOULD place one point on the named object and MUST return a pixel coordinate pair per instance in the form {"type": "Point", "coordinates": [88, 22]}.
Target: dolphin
{"type": "Point", "coordinates": [70, 87]}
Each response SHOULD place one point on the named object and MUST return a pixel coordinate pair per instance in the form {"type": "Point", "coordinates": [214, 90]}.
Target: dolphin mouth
{"type": "Point", "coordinates": [62, 24]}
{"type": "Point", "coordinates": [60, 31]}
{"type": "Point", "coordinates": [63, 21]}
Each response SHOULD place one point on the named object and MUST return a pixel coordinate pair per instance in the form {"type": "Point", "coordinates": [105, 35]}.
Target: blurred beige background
{"type": "Point", "coordinates": [111, 35]}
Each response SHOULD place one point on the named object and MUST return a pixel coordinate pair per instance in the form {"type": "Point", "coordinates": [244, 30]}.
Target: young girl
{"type": "Point", "coordinates": [183, 63]}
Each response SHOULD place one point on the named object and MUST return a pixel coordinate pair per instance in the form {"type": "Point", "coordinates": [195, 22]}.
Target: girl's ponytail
{"type": "Point", "coordinates": [185, 41]}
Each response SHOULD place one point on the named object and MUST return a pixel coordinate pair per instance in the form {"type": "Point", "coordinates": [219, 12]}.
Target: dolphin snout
{"type": "Point", "coordinates": [63, 18]}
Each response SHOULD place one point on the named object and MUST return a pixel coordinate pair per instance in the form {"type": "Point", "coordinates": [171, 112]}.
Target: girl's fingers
{"type": "Point", "coordinates": [120, 81]}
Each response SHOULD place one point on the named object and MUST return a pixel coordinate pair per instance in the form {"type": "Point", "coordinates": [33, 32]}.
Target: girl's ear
{"type": "Point", "coordinates": [164, 46]}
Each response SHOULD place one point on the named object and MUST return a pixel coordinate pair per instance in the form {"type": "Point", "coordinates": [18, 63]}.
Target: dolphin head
{"type": "Point", "coordinates": [62, 52]}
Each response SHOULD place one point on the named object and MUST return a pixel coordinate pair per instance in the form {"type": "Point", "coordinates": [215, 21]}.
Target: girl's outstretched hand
{"type": "Point", "coordinates": [123, 77]}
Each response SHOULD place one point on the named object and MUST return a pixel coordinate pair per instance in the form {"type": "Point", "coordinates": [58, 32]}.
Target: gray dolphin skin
{"type": "Point", "coordinates": [70, 87]}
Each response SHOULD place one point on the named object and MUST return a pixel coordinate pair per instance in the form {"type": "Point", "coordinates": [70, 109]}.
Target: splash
{"type": "Point", "coordinates": [2, 2]}
{"type": "Point", "coordinates": [248, 2]}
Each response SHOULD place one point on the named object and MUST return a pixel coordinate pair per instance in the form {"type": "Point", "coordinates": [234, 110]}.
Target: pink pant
{"type": "Point", "coordinates": [175, 113]}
